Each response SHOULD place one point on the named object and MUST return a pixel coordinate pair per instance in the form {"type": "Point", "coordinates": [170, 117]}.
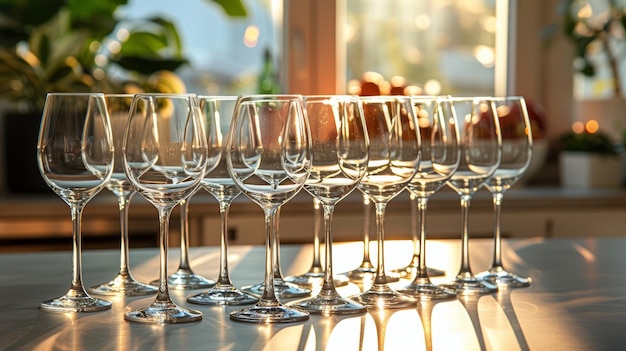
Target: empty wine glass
{"type": "Point", "coordinates": [517, 144]}
{"type": "Point", "coordinates": [218, 112]}
{"type": "Point", "coordinates": [394, 156]}
{"type": "Point", "coordinates": [269, 160]}
{"type": "Point", "coordinates": [410, 270]}
{"type": "Point", "coordinates": [118, 106]}
{"type": "Point", "coordinates": [75, 158]}
{"type": "Point", "coordinates": [481, 144]}
{"type": "Point", "coordinates": [165, 158]}
{"type": "Point", "coordinates": [440, 159]}
{"type": "Point", "coordinates": [339, 150]}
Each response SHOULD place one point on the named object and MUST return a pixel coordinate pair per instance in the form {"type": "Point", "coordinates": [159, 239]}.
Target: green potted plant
{"type": "Point", "coordinates": [589, 158]}
{"type": "Point", "coordinates": [73, 46]}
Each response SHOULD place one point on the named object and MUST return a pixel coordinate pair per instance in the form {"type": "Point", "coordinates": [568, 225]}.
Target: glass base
{"type": "Point", "coordinates": [282, 288]}
{"type": "Point", "coordinates": [428, 292]}
{"type": "Point", "coordinates": [502, 278]}
{"type": "Point", "coordinates": [75, 301]}
{"type": "Point", "coordinates": [311, 279]}
{"type": "Point", "coordinates": [471, 286]}
{"type": "Point", "coordinates": [368, 273]}
{"type": "Point", "coordinates": [263, 313]}
{"type": "Point", "coordinates": [330, 304]}
{"type": "Point", "coordinates": [222, 294]}
{"type": "Point", "coordinates": [186, 280]}
{"type": "Point", "coordinates": [163, 313]}
{"type": "Point", "coordinates": [123, 285]}
{"type": "Point", "coordinates": [381, 296]}
{"type": "Point", "coordinates": [409, 272]}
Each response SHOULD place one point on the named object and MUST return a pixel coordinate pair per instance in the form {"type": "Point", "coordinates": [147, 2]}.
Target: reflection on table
{"type": "Point", "coordinates": [577, 302]}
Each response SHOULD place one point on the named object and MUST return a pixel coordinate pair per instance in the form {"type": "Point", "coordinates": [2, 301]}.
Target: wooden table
{"type": "Point", "coordinates": [577, 302]}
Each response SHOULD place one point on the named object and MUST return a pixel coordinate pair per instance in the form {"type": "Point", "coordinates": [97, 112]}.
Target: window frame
{"type": "Point", "coordinates": [531, 66]}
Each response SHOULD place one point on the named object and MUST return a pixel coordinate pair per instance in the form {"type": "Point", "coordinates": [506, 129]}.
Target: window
{"type": "Point", "coordinates": [438, 47]}
{"type": "Point", "coordinates": [443, 47]}
{"type": "Point", "coordinates": [225, 54]}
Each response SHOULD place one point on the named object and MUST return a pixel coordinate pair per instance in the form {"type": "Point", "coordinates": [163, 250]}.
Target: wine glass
{"type": "Point", "coordinates": [517, 145]}
{"type": "Point", "coordinates": [118, 106]}
{"type": "Point", "coordinates": [440, 159]}
{"type": "Point", "coordinates": [165, 158]}
{"type": "Point", "coordinates": [410, 270]}
{"type": "Point", "coordinates": [218, 112]}
{"type": "Point", "coordinates": [481, 145]}
{"type": "Point", "coordinates": [75, 158]}
{"type": "Point", "coordinates": [339, 150]}
{"type": "Point", "coordinates": [269, 159]}
{"type": "Point", "coordinates": [394, 156]}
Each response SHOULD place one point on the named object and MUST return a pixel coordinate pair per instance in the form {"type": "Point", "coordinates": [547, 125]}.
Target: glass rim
{"type": "Point", "coordinates": [126, 95]}
{"type": "Point", "coordinates": [270, 98]}
{"type": "Point", "coordinates": [172, 95]}
{"type": "Point", "coordinates": [73, 94]}
{"type": "Point", "coordinates": [385, 98]}
{"type": "Point", "coordinates": [508, 97]}
{"type": "Point", "coordinates": [218, 97]}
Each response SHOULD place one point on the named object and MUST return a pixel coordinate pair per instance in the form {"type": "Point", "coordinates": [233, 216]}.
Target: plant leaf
{"type": "Point", "coordinates": [233, 8]}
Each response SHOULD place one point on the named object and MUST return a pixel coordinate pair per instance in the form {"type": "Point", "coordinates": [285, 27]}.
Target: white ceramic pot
{"type": "Point", "coordinates": [589, 170]}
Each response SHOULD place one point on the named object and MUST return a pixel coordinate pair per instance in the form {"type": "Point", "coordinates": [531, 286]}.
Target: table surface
{"type": "Point", "coordinates": [577, 302]}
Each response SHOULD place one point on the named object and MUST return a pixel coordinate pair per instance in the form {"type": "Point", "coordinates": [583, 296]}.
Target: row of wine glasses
{"type": "Point", "coordinates": [277, 145]}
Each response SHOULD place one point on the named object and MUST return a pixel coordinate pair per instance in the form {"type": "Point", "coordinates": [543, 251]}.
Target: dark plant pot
{"type": "Point", "coordinates": [20, 146]}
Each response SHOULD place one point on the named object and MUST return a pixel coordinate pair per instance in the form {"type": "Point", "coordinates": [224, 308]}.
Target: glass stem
{"type": "Point", "coordinates": [123, 202]}
{"type": "Point", "coordinates": [329, 282]}
{"type": "Point", "coordinates": [465, 262]}
{"type": "Point", "coordinates": [497, 245]}
{"type": "Point", "coordinates": [367, 206]}
{"type": "Point", "coordinates": [278, 274]}
{"type": "Point", "coordinates": [271, 219]}
{"type": "Point", "coordinates": [224, 278]}
{"type": "Point", "coordinates": [77, 275]}
{"type": "Point", "coordinates": [316, 266]}
{"type": "Point", "coordinates": [164, 221]}
{"type": "Point", "coordinates": [415, 236]}
{"type": "Point", "coordinates": [422, 203]}
{"type": "Point", "coordinates": [381, 277]}
{"type": "Point", "coordinates": [184, 236]}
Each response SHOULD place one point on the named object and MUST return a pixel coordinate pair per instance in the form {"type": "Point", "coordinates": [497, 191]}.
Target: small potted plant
{"type": "Point", "coordinates": [589, 158]}
{"type": "Point", "coordinates": [76, 46]}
